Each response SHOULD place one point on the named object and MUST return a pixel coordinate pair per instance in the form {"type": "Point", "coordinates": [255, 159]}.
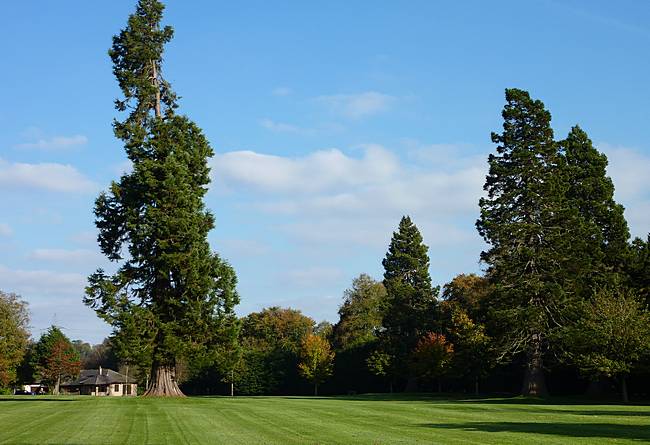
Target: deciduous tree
{"type": "Point", "coordinates": [14, 335]}
{"type": "Point", "coordinates": [432, 357]}
{"type": "Point", "coordinates": [361, 314]}
{"type": "Point", "coordinates": [271, 341]}
{"type": "Point", "coordinates": [316, 360]}
{"type": "Point", "coordinates": [55, 358]}
{"type": "Point", "coordinates": [382, 364]}
{"type": "Point", "coordinates": [612, 335]}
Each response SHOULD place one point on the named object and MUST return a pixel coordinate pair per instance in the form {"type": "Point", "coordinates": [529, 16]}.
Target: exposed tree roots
{"type": "Point", "coordinates": [163, 383]}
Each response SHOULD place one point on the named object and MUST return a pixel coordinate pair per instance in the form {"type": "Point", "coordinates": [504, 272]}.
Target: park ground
{"type": "Point", "coordinates": [372, 419]}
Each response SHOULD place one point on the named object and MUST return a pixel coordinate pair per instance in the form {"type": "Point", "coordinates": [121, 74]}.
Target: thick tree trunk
{"type": "Point", "coordinates": [163, 382]}
{"type": "Point", "coordinates": [476, 386]}
{"type": "Point", "coordinates": [534, 380]}
{"type": "Point", "coordinates": [315, 389]}
{"type": "Point", "coordinates": [57, 385]}
{"type": "Point", "coordinates": [624, 389]}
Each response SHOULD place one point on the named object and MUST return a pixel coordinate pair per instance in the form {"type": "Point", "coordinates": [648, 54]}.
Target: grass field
{"type": "Point", "coordinates": [307, 420]}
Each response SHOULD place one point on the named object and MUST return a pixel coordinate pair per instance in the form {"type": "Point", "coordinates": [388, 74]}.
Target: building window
{"type": "Point", "coordinates": [117, 388]}
{"type": "Point", "coordinates": [127, 390]}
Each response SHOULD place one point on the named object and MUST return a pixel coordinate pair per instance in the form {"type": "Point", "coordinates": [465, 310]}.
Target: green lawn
{"type": "Point", "coordinates": [297, 420]}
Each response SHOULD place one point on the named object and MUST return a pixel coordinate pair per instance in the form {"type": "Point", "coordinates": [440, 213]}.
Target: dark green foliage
{"type": "Point", "coordinates": [94, 356]}
{"type": "Point", "coordinates": [411, 300]}
{"type": "Point", "coordinates": [538, 240]}
{"type": "Point", "coordinates": [639, 268]}
{"type": "Point", "coordinates": [171, 295]}
{"type": "Point", "coordinates": [137, 55]}
{"type": "Point", "coordinates": [355, 336]}
{"type": "Point", "coordinates": [591, 191]}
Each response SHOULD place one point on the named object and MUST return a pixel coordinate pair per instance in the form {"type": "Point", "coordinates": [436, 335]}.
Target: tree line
{"type": "Point", "coordinates": [564, 290]}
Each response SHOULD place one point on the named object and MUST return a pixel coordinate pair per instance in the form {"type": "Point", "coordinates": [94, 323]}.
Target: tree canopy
{"type": "Point", "coordinates": [14, 336]}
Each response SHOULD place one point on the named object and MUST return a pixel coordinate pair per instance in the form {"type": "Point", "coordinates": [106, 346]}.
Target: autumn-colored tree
{"type": "Point", "coordinates": [63, 361]}
{"type": "Point", "coordinates": [14, 336]}
{"type": "Point", "coordinates": [473, 353]}
{"type": "Point", "coordinates": [316, 360]}
{"type": "Point", "coordinates": [54, 357]}
{"type": "Point", "coordinates": [432, 357]}
{"type": "Point", "coordinates": [470, 293]}
{"type": "Point", "coordinates": [271, 341]}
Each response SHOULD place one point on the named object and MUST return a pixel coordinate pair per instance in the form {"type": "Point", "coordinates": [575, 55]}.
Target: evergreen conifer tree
{"type": "Point", "coordinates": [591, 191]}
{"type": "Point", "coordinates": [537, 238]}
{"type": "Point", "coordinates": [411, 300]}
{"type": "Point", "coordinates": [171, 296]}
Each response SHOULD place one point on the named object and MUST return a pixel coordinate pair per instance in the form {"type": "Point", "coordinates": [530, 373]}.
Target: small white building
{"type": "Point", "coordinates": [101, 382]}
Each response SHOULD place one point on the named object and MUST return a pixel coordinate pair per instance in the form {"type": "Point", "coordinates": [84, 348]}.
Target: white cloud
{"type": "Point", "coordinates": [628, 169]}
{"type": "Point", "coordinates": [41, 283]}
{"type": "Point", "coordinates": [47, 176]}
{"type": "Point", "coordinates": [55, 143]}
{"type": "Point", "coordinates": [320, 170]}
{"type": "Point", "coordinates": [54, 298]}
{"type": "Point", "coordinates": [356, 106]}
{"type": "Point", "coordinates": [281, 91]}
{"type": "Point", "coordinates": [75, 256]}
{"type": "Point", "coordinates": [5, 229]}
{"type": "Point", "coordinates": [279, 127]}
{"type": "Point", "coordinates": [330, 198]}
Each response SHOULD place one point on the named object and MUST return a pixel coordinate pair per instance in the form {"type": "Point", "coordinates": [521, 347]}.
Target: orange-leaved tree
{"type": "Point", "coordinates": [316, 360]}
{"type": "Point", "coordinates": [62, 362]}
{"type": "Point", "coordinates": [432, 356]}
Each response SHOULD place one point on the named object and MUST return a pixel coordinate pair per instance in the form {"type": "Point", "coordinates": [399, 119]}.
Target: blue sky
{"type": "Point", "coordinates": [330, 121]}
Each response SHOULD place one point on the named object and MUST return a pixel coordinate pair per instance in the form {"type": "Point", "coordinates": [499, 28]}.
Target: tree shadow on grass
{"type": "Point", "coordinates": [585, 430]}
{"type": "Point", "coordinates": [35, 399]}
{"type": "Point", "coordinates": [395, 397]}
{"type": "Point", "coordinates": [613, 413]}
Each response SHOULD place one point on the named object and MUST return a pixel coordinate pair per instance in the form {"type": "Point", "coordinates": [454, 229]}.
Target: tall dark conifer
{"type": "Point", "coordinates": [171, 295]}
{"type": "Point", "coordinates": [591, 191]}
{"type": "Point", "coordinates": [411, 300]}
{"type": "Point", "coordinates": [638, 268]}
{"type": "Point", "coordinates": [537, 239]}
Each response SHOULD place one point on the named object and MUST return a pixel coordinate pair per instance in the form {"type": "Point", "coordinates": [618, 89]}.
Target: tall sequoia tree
{"type": "Point", "coordinates": [411, 300]}
{"type": "Point", "coordinates": [171, 296]}
{"type": "Point", "coordinates": [592, 192]}
{"type": "Point", "coordinates": [537, 237]}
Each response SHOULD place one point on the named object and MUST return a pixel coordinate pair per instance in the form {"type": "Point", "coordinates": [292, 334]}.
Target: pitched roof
{"type": "Point", "coordinates": [96, 377]}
